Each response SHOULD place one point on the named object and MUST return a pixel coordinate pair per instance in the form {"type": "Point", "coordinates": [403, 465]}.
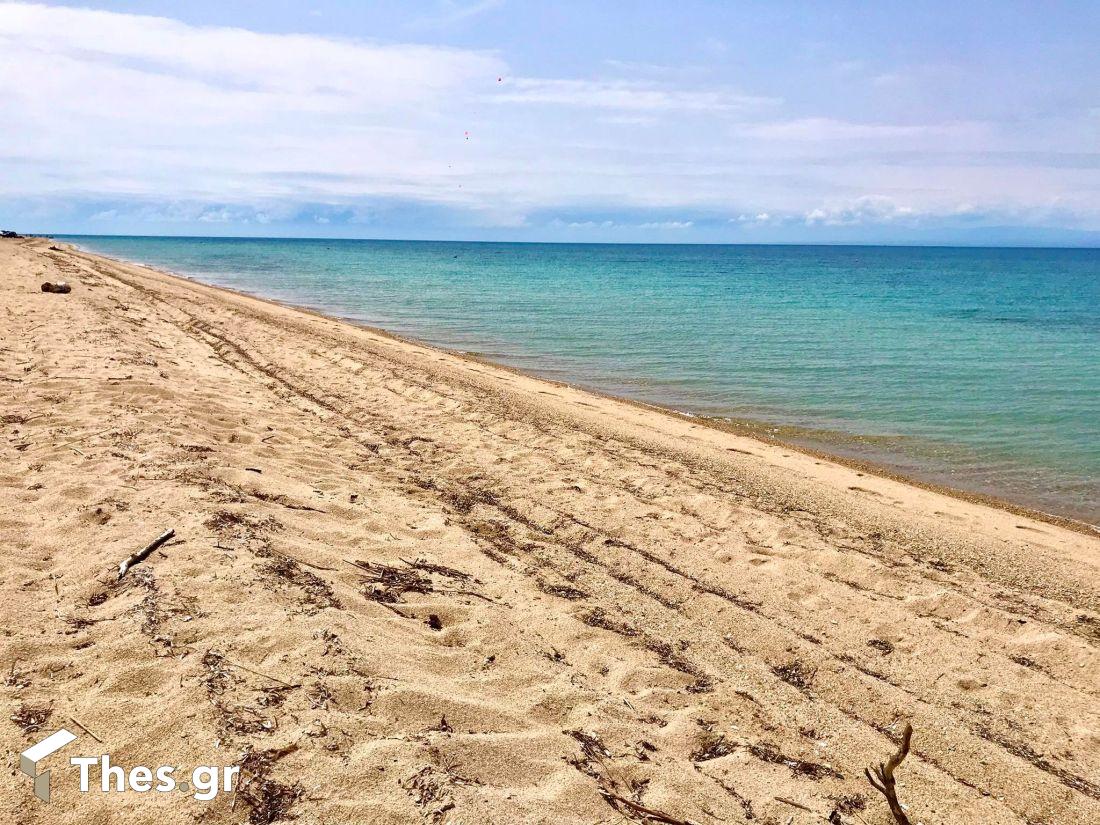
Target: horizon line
{"type": "Point", "coordinates": [851, 244]}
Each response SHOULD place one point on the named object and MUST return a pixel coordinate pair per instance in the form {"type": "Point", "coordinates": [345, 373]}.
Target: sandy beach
{"type": "Point", "coordinates": [406, 586]}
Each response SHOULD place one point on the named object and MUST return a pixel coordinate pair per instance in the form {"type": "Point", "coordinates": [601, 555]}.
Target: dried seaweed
{"type": "Point", "coordinates": [430, 790]}
{"type": "Point", "coordinates": [767, 752]}
{"type": "Point", "coordinates": [243, 720]}
{"type": "Point", "coordinates": [266, 799]}
{"type": "Point", "coordinates": [439, 569]}
{"type": "Point", "coordinates": [389, 584]}
{"type": "Point", "coordinates": [32, 718]}
{"type": "Point", "coordinates": [563, 591]}
{"type": "Point", "coordinates": [795, 674]}
{"type": "Point", "coordinates": [670, 657]}
{"type": "Point", "coordinates": [217, 677]}
{"type": "Point", "coordinates": [881, 645]}
{"type": "Point", "coordinates": [320, 696]}
{"type": "Point", "coordinates": [317, 593]}
{"type": "Point", "coordinates": [712, 746]}
{"type": "Point", "coordinates": [1028, 753]}
{"type": "Point", "coordinates": [430, 787]}
{"type": "Point", "coordinates": [849, 804]}
{"type": "Point", "coordinates": [597, 617]}
{"type": "Point", "coordinates": [226, 521]}
{"type": "Point", "coordinates": [1028, 662]}
{"type": "Point", "coordinates": [593, 752]}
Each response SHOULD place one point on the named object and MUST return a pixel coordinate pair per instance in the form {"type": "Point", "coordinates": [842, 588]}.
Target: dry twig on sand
{"type": "Point", "coordinates": [592, 763]}
{"type": "Point", "coordinates": [298, 560]}
{"type": "Point", "coordinates": [76, 440]}
{"type": "Point", "coordinates": [616, 801]}
{"type": "Point", "coordinates": [143, 553]}
{"type": "Point", "coordinates": [239, 666]}
{"type": "Point", "coordinates": [84, 728]}
{"type": "Point", "coordinates": [882, 780]}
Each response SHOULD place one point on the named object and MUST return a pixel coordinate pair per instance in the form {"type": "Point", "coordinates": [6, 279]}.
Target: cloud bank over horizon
{"type": "Point", "coordinates": [133, 123]}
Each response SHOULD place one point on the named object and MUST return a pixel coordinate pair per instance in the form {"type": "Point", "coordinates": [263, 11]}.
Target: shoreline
{"type": "Point", "coordinates": [791, 437]}
{"type": "Point", "coordinates": [424, 584]}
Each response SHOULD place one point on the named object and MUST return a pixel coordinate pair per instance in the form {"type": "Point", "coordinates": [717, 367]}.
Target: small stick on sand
{"type": "Point", "coordinates": [614, 799]}
{"type": "Point", "coordinates": [885, 776]}
{"type": "Point", "coordinates": [142, 554]}
{"type": "Point", "coordinates": [794, 804]}
{"type": "Point", "coordinates": [84, 728]}
{"type": "Point", "coordinates": [389, 606]}
{"type": "Point", "coordinates": [231, 663]}
{"type": "Point", "coordinates": [299, 561]}
{"type": "Point", "coordinates": [77, 440]}
{"type": "Point", "coordinates": [469, 593]}
{"type": "Point", "coordinates": [802, 807]}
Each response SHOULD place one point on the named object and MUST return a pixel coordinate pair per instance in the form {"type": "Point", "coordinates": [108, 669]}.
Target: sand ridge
{"type": "Point", "coordinates": [410, 587]}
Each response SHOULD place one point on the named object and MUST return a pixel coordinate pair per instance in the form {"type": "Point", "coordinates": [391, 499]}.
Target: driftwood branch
{"type": "Point", "coordinates": [882, 779]}
{"type": "Point", "coordinates": [144, 552]}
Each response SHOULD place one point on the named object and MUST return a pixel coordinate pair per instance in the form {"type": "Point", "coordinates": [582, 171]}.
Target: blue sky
{"type": "Point", "coordinates": [497, 119]}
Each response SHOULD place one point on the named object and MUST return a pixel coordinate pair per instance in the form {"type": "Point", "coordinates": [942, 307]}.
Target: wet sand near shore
{"type": "Point", "coordinates": [407, 586]}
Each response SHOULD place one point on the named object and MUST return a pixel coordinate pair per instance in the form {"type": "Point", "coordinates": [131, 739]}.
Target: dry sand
{"type": "Point", "coordinates": [624, 599]}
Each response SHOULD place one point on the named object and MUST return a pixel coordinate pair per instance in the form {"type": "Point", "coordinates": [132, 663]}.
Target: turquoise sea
{"type": "Point", "coordinates": [978, 368]}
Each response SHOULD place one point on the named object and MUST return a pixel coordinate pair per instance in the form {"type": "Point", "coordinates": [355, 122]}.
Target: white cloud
{"type": "Point", "coordinates": [222, 215]}
{"type": "Point", "coordinates": [130, 104]}
{"type": "Point", "coordinates": [105, 105]}
{"type": "Point", "coordinates": [138, 118]}
{"type": "Point", "coordinates": [626, 94]}
{"type": "Point", "coordinates": [759, 219]}
{"type": "Point", "coordinates": [667, 225]}
{"type": "Point", "coordinates": [239, 66]}
{"type": "Point", "coordinates": [815, 129]}
{"type": "Point", "coordinates": [585, 224]}
{"type": "Point", "coordinates": [868, 209]}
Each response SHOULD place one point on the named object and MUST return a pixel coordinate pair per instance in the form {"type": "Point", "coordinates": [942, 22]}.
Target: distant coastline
{"type": "Point", "coordinates": [900, 244]}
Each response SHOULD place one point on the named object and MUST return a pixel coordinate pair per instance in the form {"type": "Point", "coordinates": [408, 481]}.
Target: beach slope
{"type": "Point", "coordinates": [406, 586]}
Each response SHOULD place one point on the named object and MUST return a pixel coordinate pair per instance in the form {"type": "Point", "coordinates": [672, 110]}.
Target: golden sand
{"type": "Point", "coordinates": [418, 588]}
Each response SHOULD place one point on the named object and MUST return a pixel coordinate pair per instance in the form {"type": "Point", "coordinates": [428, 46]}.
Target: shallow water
{"type": "Point", "coordinates": [978, 368]}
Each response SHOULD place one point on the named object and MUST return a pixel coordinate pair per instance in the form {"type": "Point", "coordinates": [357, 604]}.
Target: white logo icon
{"type": "Point", "coordinates": [29, 759]}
